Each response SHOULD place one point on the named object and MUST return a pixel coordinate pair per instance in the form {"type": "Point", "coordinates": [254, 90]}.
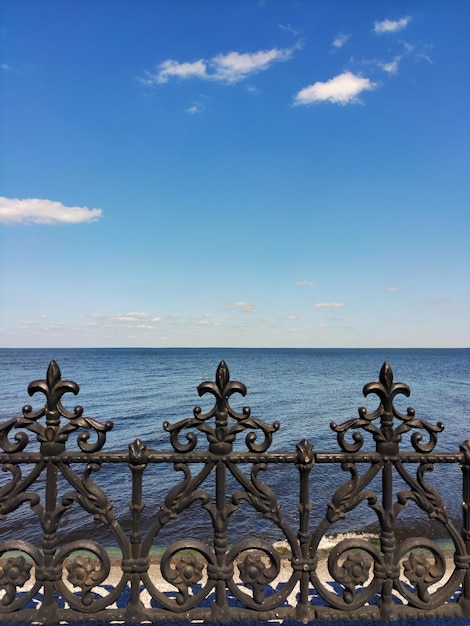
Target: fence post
{"type": "Point", "coordinates": [465, 467]}
{"type": "Point", "coordinates": [136, 564]}
{"type": "Point", "coordinates": [387, 441]}
{"type": "Point", "coordinates": [305, 460]}
{"type": "Point", "coordinates": [49, 520]}
{"type": "Point", "coordinates": [387, 544]}
{"type": "Point", "coordinates": [51, 445]}
{"type": "Point", "coordinates": [223, 570]}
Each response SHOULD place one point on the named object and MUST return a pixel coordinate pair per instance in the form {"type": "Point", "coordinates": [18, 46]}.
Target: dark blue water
{"type": "Point", "coordinates": [304, 390]}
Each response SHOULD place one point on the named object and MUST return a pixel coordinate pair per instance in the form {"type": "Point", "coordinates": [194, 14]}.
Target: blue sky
{"type": "Point", "coordinates": [234, 173]}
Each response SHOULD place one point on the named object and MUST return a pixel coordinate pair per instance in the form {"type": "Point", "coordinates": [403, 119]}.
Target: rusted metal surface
{"type": "Point", "coordinates": [222, 580]}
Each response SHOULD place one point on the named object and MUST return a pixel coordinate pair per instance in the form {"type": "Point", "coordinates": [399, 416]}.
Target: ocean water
{"type": "Point", "coordinates": [303, 389]}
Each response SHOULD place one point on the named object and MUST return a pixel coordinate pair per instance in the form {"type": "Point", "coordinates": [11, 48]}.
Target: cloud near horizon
{"type": "Point", "coordinates": [225, 68]}
{"type": "Point", "coordinates": [342, 89]}
{"type": "Point", "coordinates": [39, 211]}
{"type": "Point", "coordinates": [333, 305]}
{"type": "Point", "coordinates": [247, 307]}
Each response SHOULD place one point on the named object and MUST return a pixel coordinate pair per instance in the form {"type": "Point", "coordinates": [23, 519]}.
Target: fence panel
{"type": "Point", "coordinates": [56, 467]}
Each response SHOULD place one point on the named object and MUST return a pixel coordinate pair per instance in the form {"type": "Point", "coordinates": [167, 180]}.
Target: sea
{"type": "Point", "coordinates": [302, 389]}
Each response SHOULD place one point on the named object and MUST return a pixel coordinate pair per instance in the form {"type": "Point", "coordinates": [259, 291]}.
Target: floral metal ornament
{"type": "Point", "coordinates": [255, 573]}
{"type": "Point", "coordinates": [387, 436]}
{"type": "Point", "coordinates": [422, 573]}
{"type": "Point", "coordinates": [187, 573]}
{"type": "Point", "coordinates": [14, 573]}
{"type": "Point", "coordinates": [424, 565]}
{"type": "Point", "coordinates": [258, 564]}
{"type": "Point", "coordinates": [183, 565]}
{"type": "Point", "coordinates": [86, 573]}
{"type": "Point", "coordinates": [222, 436]}
{"type": "Point", "coordinates": [53, 435]}
{"type": "Point", "coordinates": [350, 565]}
{"type": "Point", "coordinates": [354, 572]}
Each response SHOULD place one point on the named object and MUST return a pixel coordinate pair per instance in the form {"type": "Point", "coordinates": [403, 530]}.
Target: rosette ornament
{"type": "Point", "coordinates": [228, 422]}
{"type": "Point", "coordinates": [14, 573]}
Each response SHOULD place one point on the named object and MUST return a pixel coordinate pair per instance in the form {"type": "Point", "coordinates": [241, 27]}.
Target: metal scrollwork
{"type": "Point", "coordinates": [424, 494]}
{"type": "Point", "coordinates": [17, 570]}
{"type": "Point", "coordinates": [53, 435]}
{"type": "Point", "coordinates": [184, 565]}
{"type": "Point", "coordinates": [13, 494]}
{"type": "Point", "coordinates": [424, 565]}
{"type": "Point", "coordinates": [387, 436]}
{"type": "Point", "coordinates": [13, 574]}
{"type": "Point", "coordinates": [222, 436]}
{"type": "Point", "coordinates": [21, 438]}
{"type": "Point", "coordinates": [352, 563]}
{"type": "Point", "coordinates": [258, 565]}
{"type": "Point", "coordinates": [351, 493]}
{"type": "Point", "coordinates": [88, 494]}
{"type": "Point", "coordinates": [258, 494]}
{"type": "Point", "coordinates": [227, 579]}
{"type": "Point", "coordinates": [85, 566]}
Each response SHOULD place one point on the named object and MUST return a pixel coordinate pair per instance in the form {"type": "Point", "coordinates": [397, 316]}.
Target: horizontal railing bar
{"type": "Point", "coordinates": [152, 457]}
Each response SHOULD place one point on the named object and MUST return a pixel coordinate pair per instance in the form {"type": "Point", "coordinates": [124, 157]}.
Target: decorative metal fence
{"type": "Point", "coordinates": [59, 579]}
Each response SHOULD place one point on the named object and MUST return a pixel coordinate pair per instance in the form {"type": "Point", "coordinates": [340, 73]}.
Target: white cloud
{"type": "Point", "coordinates": [290, 29]}
{"type": "Point", "coordinates": [425, 56]}
{"type": "Point", "coordinates": [226, 68]}
{"type": "Point", "coordinates": [233, 67]}
{"type": "Point", "coordinates": [340, 40]}
{"type": "Point", "coordinates": [135, 319]}
{"type": "Point", "coordinates": [33, 210]}
{"type": "Point", "coordinates": [342, 89]}
{"type": "Point", "coordinates": [332, 305]}
{"type": "Point", "coordinates": [305, 283]}
{"type": "Point", "coordinates": [391, 67]}
{"type": "Point", "coordinates": [243, 306]}
{"type": "Point", "coordinates": [129, 317]}
{"type": "Point", "coordinates": [173, 69]}
{"type": "Point", "coordinates": [394, 288]}
{"type": "Point", "coordinates": [195, 109]}
{"type": "Point", "coordinates": [391, 26]}
{"type": "Point", "coordinates": [292, 317]}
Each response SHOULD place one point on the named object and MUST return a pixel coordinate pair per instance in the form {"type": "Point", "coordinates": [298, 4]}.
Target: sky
{"type": "Point", "coordinates": [234, 173]}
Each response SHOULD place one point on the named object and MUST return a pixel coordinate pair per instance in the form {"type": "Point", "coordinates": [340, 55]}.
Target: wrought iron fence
{"type": "Point", "coordinates": [63, 579]}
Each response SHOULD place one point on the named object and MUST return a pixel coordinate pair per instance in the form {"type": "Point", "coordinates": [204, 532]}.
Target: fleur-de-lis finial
{"type": "Point", "coordinates": [228, 422]}
{"type": "Point", "coordinates": [388, 435]}
{"type": "Point", "coordinates": [55, 433]}
{"type": "Point", "coordinates": [53, 387]}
